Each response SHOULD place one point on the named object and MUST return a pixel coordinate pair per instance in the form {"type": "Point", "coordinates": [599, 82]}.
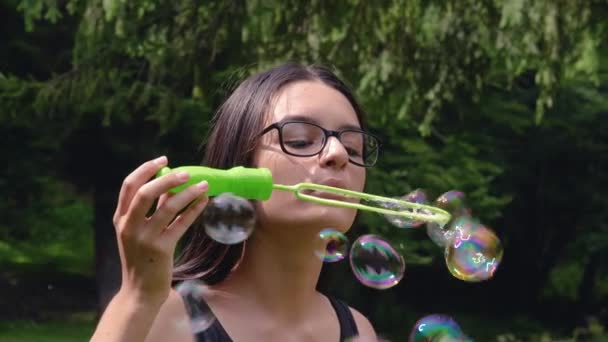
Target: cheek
{"type": "Point", "coordinates": [284, 211]}
{"type": "Point", "coordinates": [284, 208]}
{"type": "Point", "coordinates": [359, 178]}
{"type": "Point", "coordinates": [281, 204]}
{"type": "Point", "coordinates": [285, 169]}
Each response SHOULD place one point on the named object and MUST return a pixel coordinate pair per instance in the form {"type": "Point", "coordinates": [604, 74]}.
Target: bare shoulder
{"type": "Point", "coordinates": [171, 323]}
{"type": "Point", "coordinates": [364, 326]}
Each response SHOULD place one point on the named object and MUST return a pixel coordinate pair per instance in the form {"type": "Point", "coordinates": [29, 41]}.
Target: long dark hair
{"type": "Point", "coordinates": [233, 139]}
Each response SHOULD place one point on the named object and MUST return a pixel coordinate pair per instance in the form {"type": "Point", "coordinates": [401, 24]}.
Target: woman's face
{"type": "Point", "coordinates": [318, 103]}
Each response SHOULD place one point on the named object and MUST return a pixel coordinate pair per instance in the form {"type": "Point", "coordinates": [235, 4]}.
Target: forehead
{"type": "Point", "coordinates": [316, 102]}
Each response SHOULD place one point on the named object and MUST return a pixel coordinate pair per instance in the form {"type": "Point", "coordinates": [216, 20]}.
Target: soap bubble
{"type": "Point", "coordinates": [376, 263]}
{"type": "Point", "coordinates": [229, 219]}
{"type": "Point", "coordinates": [437, 328]}
{"type": "Point", "coordinates": [474, 252]}
{"type": "Point", "coordinates": [454, 203]}
{"type": "Point", "coordinates": [334, 245]}
{"type": "Point", "coordinates": [438, 234]}
{"type": "Point", "coordinates": [199, 313]}
{"type": "Point", "coordinates": [416, 196]}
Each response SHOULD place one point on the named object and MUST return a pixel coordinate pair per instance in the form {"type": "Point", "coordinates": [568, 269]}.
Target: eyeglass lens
{"type": "Point", "coordinates": [304, 139]}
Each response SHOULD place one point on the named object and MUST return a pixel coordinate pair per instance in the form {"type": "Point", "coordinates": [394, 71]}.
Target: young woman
{"type": "Point", "coordinates": [303, 124]}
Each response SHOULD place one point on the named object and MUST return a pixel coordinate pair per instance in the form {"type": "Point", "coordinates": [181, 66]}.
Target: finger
{"type": "Point", "coordinates": [149, 192]}
{"type": "Point", "coordinates": [135, 180]}
{"type": "Point", "coordinates": [167, 212]}
{"type": "Point", "coordinates": [162, 199]}
{"type": "Point", "coordinates": [180, 225]}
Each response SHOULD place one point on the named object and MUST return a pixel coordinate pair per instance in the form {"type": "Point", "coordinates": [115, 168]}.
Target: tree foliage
{"type": "Point", "coordinates": [505, 100]}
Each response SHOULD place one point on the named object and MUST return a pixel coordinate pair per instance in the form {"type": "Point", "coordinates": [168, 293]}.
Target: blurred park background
{"type": "Point", "coordinates": [504, 100]}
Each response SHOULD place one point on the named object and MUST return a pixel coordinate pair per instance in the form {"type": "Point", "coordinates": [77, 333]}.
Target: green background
{"type": "Point", "coordinates": [504, 100]}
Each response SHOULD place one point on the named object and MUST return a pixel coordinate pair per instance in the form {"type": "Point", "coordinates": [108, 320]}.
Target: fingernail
{"type": "Point", "coordinates": [202, 186]}
{"type": "Point", "coordinates": [160, 161]}
{"type": "Point", "coordinates": [182, 176]}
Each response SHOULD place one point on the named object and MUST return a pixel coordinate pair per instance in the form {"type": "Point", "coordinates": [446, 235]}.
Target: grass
{"type": "Point", "coordinates": [39, 286]}
{"type": "Point", "coordinates": [77, 327]}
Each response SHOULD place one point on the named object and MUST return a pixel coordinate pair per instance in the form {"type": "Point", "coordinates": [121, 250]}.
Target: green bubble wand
{"type": "Point", "coordinates": [257, 184]}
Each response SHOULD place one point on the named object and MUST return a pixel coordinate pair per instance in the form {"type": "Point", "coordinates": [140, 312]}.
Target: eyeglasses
{"type": "Point", "coordinates": [306, 139]}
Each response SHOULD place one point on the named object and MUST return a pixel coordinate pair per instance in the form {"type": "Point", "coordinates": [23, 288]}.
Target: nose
{"type": "Point", "coordinates": [334, 154]}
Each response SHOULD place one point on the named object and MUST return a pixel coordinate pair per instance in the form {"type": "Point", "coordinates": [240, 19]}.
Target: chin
{"type": "Point", "coordinates": [290, 212]}
{"type": "Point", "coordinates": [322, 217]}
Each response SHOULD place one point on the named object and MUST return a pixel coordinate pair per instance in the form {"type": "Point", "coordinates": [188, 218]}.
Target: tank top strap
{"type": "Point", "coordinates": [348, 326]}
{"type": "Point", "coordinates": [216, 332]}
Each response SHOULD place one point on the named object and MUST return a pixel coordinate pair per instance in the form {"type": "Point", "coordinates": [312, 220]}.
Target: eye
{"type": "Point", "coordinates": [353, 152]}
{"type": "Point", "coordinates": [298, 143]}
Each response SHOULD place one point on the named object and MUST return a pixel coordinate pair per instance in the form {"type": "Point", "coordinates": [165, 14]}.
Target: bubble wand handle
{"type": "Point", "coordinates": [249, 183]}
{"type": "Point", "coordinates": [256, 184]}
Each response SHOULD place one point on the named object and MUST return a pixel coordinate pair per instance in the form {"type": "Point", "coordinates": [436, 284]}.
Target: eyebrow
{"type": "Point", "coordinates": [307, 118]}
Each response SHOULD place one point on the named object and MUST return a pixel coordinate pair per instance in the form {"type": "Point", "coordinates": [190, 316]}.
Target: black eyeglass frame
{"type": "Point", "coordinates": [328, 133]}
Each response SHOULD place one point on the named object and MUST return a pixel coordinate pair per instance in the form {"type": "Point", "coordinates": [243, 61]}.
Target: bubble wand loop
{"type": "Point", "coordinates": [256, 184]}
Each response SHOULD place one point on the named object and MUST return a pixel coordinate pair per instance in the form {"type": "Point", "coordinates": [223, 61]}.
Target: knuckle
{"type": "Point", "coordinates": [169, 208]}
{"type": "Point", "coordinates": [144, 194]}
{"type": "Point", "coordinates": [125, 234]}
{"type": "Point", "coordinates": [127, 183]}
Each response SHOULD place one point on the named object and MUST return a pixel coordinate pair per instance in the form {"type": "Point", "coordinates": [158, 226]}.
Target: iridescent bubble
{"type": "Point", "coordinates": [201, 317]}
{"type": "Point", "coordinates": [229, 219]}
{"type": "Point", "coordinates": [416, 196]}
{"type": "Point", "coordinates": [334, 245]}
{"type": "Point", "coordinates": [454, 203]}
{"type": "Point", "coordinates": [376, 263]}
{"type": "Point", "coordinates": [440, 236]}
{"type": "Point", "coordinates": [436, 328]}
{"type": "Point", "coordinates": [474, 252]}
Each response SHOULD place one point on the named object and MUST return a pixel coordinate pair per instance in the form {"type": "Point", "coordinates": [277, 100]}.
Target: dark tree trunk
{"type": "Point", "coordinates": [95, 166]}
{"type": "Point", "coordinates": [107, 261]}
{"type": "Point", "coordinates": [110, 170]}
{"type": "Point", "coordinates": [587, 284]}
{"type": "Point", "coordinates": [110, 166]}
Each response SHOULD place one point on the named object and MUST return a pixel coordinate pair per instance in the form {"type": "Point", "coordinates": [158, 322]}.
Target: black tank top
{"type": "Point", "coordinates": [348, 327]}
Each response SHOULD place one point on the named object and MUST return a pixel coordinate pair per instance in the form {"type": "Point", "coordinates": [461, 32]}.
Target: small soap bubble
{"type": "Point", "coordinates": [376, 263]}
{"type": "Point", "coordinates": [416, 196]}
{"type": "Point", "coordinates": [439, 235]}
{"type": "Point", "coordinates": [229, 219]}
{"type": "Point", "coordinates": [454, 203]}
{"type": "Point", "coordinates": [474, 252]}
{"type": "Point", "coordinates": [199, 313]}
{"type": "Point", "coordinates": [334, 245]}
{"type": "Point", "coordinates": [437, 328]}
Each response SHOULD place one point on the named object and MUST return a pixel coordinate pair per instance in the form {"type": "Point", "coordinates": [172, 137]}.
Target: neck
{"type": "Point", "coordinates": [279, 271]}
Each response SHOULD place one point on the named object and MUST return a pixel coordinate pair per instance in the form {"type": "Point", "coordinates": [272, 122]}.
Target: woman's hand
{"type": "Point", "coordinates": [147, 244]}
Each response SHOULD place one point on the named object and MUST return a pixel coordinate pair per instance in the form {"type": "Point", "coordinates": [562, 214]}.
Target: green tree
{"type": "Point", "coordinates": [482, 96]}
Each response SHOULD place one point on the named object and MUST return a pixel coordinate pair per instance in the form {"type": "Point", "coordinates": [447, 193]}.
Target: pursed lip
{"type": "Point", "coordinates": [327, 195]}
{"type": "Point", "coordinates": [333, 182]}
